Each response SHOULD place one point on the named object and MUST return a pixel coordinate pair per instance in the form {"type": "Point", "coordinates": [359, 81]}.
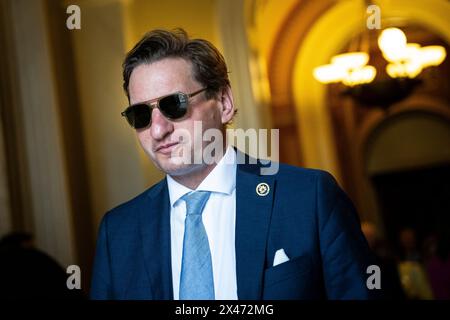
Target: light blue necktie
{"type": "Point", "coordinates": [196, 279]}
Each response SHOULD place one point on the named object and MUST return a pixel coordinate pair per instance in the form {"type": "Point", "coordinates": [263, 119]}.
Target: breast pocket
{"type": "Point", "coordinates": [289, 280]}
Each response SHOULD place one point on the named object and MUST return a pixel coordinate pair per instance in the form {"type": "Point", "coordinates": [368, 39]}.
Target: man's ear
{"type": "Point", "coordinates": [227, 104]}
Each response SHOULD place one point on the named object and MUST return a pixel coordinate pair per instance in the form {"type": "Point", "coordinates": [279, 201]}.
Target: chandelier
{"type": "Point", "coordinates": [405, 61]}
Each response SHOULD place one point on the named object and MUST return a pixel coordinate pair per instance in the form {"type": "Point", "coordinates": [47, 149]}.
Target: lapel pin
{"type": "Point", "coordinates": [262, 189]}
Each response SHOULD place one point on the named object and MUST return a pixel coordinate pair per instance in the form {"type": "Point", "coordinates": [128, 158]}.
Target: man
{"type": "Point", "coordinates": [218, 230]}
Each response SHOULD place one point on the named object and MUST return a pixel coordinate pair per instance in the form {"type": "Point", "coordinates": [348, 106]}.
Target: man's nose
{"type": "Point", "coordinates": [160, 125]}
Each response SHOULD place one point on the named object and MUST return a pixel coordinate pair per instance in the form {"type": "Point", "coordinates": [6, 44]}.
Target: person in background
{"type": "Point", "coordinates": [29, 273]}
{"type": "Point", "coordinates": [438, 266]}
{"type": "Point", "coordinates": [390, 279]}
{"type": "Point", "coordinates": [412, 272]}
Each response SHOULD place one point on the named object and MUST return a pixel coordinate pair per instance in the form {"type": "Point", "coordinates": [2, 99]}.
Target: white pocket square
{"type": "Point", "coordinates": [280, 257]}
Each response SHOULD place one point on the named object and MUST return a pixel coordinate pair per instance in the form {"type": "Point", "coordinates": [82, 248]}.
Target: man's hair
{"type": "Point", "coordinates": [208, 64]}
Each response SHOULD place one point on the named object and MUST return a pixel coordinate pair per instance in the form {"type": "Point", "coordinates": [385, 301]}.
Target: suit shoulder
{"type": "Point", "coordinates": [129, 208]}
{"type": "Point", "coordinates": [290, 172]}
{"type": "Point", "coordinates": [316, 181]}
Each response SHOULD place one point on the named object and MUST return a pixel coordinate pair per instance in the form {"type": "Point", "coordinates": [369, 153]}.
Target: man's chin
{"type": "Point", "coordinates": [173, 167]}
{"type": "Point", "coordinates": [181, 170]}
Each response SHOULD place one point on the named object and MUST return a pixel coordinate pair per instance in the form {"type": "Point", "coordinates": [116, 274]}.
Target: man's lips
{"type": "Point", "coordinates": [166, 148]}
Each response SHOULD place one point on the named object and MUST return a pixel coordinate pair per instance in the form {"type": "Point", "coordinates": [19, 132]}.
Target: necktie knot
{"type": "Point", "coordinates": [195, 202]}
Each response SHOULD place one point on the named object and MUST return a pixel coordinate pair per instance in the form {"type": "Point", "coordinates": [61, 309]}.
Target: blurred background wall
{"type": "Point", "coordinates": [67, 156]}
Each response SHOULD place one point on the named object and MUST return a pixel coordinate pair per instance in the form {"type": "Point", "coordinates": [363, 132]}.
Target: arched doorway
{"type": "Point", "coordinates": [407, 159]}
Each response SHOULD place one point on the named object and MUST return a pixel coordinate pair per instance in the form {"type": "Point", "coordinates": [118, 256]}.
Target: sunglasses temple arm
{"type": "Point", "coordinates": [196, 92]}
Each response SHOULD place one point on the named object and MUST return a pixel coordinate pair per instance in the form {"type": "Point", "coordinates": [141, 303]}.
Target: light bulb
{"type": "Point", "coordinates": [329, 73]}
{"type": "Point", "coordinates": [360, 76]}
{"type": "Point", "coordinates": [391, 40]}
{"type": "Point", "coordinates": [432, 55]}
{"type": "Point", "coordinates": [351, 60]}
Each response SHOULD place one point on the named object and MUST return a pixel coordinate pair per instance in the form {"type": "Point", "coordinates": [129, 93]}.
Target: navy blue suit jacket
{"type": "Point", "coordinates": [305, 213]}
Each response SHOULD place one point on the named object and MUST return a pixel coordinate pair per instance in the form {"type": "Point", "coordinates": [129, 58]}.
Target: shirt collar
{"type": "Point", "coordinates": [222, 179]}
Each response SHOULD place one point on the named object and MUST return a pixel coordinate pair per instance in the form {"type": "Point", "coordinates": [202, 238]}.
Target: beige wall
{"type": "Point", "coordinates": [198, 17]}
{"type": "Point", "coordinates": [114, 165]}
{"type": "Point", "coordinates": [51, 214]}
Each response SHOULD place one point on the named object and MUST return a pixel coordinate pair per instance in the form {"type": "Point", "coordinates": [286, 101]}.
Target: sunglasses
{"type": "Point", "coordinates": [173, 106]}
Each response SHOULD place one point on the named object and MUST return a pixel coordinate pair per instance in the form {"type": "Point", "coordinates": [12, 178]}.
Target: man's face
{"type": "Point", "coordinates": [161, 140]}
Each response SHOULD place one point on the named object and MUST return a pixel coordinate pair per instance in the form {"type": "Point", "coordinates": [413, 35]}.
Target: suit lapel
{"type": "Point", "coordinates": [253, 212]}
{"type": "Point", "coordinates": [155, 231]}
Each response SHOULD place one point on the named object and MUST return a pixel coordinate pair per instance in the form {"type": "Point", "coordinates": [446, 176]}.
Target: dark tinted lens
{"type": "Point", "coordinates": [138, 116]}
{"type": "Point", "coordinates": [174, 106]}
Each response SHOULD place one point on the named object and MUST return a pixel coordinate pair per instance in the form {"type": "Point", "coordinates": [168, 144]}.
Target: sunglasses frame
{"type": "Point", "coordinates": [154, 103]}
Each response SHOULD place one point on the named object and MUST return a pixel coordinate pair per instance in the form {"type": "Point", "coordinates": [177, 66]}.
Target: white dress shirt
{"type": "Point", "coordinates": [219, 219]}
